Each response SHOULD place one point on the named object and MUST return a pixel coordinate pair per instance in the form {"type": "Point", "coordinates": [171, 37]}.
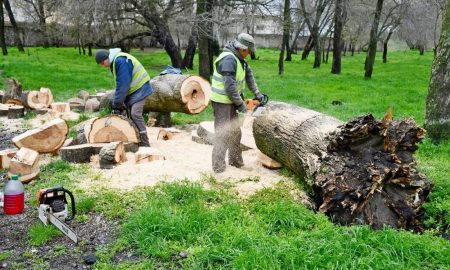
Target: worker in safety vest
{"type": "Point", "coordinates": [132, 86]}
{"type": "Point", "coordinates": [231, 72]}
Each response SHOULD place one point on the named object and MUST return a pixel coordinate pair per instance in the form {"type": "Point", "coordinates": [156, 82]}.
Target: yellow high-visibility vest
{"type": "Point", "coordinates": [218, 87]}
{"type": "Point", "coordinates": [139, 76]}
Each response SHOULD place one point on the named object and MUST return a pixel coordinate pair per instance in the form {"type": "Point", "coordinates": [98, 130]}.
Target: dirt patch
{"type": "Point", "coordinates": [9, 128]}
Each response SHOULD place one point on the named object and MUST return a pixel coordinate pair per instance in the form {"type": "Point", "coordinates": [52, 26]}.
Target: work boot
{"type": "Point", "coordinates": [144, 140]}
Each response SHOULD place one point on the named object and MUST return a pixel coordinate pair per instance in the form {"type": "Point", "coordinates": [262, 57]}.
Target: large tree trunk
{"type": "Point", "coordinates": [2, 31]}
{"type": "Point", "coordinates": [285, 40]}
{"type": "Point", "coordinates": [12, 20]}
{"type": "Point", "coordinates": [362, 171]}
{"type": "Point", "coordinates": [339, 18]}
{"type": "Point", "coordinates": [174, 93]}
{"type": "Point", "coordinates": [437, 119]}
{"type": "Point", "coordinates": [46, 139]}
{"type": "Point", "coordinates": [307, 49]}
{"type": "Point", "coordinates": [372, 51]}
{"type": "Point", "coordinates": [205, 30]}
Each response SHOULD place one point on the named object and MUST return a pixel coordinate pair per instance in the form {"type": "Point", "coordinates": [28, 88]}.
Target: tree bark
{"type": "Point", "coordinates": [12, 20]}
{"type": "Point", "coordinates": [339, 18]}
{"type": "Point", "coordinates": [188, 60]}
{"type": "Point", "coordinates": [205, 28]}
{"type": "Point", "coordinates": [46, 139]}
{"type": "Point", "coordinates": [372, 50]}
{"type": "Point", "coordinates": [2, 31]}
{"type": "Point", "coordinates": [285, 39]}
{"type": "Point", "coordinates": [111, 154]}
{"type": "Point", "coordinates": [362, 172]}
{"type": "Point", "coordinates": [385, 46]}
{"type": "Point", "coordinates": [43, 23]}
{"type": "Point", "coordinates": [16, 112]}
{"type": "Point", "coordinates": [307, 49]}
{"type": "Point", "coordinates": [437, 118]}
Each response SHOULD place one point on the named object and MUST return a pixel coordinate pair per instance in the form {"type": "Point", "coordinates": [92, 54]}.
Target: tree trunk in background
{"type": "Point", "coordinates": [12, 20]}
{"type": "Point", "coordinates": [2, 30]}
{"type": "Point", "coordinates": [362, 171]}
{"type": "Point", "coordinates": [309, 44]}
{"type": "Point", "coordinates": [339, 18]}
{"type": "Point", "coordinates": [437, 119]}
{"type": "Point", "coordinates": [204, 8]}
{"type": "Point", "coordinates": [188, 60]}
{"type": "Point", "coordinates": [43, 23]}
{"type": "Point", "coordinates": [285, 40]}
{"type": "Point", "coordinates": [385, 46]}
{"type": "Point", "coordinates": [372, 51]}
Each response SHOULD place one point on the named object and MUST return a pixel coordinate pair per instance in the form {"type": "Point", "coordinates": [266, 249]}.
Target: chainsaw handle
{"type": "Point", "coordinates": [72, 200]}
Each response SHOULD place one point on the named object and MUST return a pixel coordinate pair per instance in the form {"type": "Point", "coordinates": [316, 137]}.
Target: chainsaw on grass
{"type": "Point", "coordinates": [53, 209]}
{"type": "Point", "coordinates": [257, 107]}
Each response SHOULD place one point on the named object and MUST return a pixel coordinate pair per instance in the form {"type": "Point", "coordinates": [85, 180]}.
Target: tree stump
{"type": "Point", "coordinates": [112, 154]}
{"type": "Point", "coordinates": [46, 139]}
{"type": "Point", "coordinates": [16, 111]}
{"type": "Point", "coordinates": [25, 164]}
{"type": "Point", "coordinates": [113, 128]}
{"type": "Point", "coordinates": [362, 171]}
{"type": "Point", "coordinates": [174, 93]}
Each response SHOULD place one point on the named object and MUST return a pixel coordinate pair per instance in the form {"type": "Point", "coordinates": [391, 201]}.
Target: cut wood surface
{"type": "Point", "coordinates": [113, 128]}
{"type": "Point", "coordinates": [16, 111]}
{"type": "Point", "coordinates": [61, 107]}
{"type": "Point", "coordinates": [6, 156]}
{"type": "Point", "coordinates": [168, 133]}
{"type": "Point", "coordinates": [112, 154]}
{"type": "Point", "coordinates": [82, 153]}
{"type": "Point", "coordinates": [174, 93]}
{"type": "Point", "coordinates": [362, 171]}
{"type": "Point", "coordinates": [13, 101]}
{"type": "Point", "coordinates": [25, 164]}
{"type": "Point", "coordinates": [92, 105]}
{"type": "Point", "coordinates": [37, 99]}
{"type": "Point", "coordinates": [148, 154]}
{"type": "Point", "coordinates": [269, 163]}
{"type": "Point", "coordinates": [46, 139]}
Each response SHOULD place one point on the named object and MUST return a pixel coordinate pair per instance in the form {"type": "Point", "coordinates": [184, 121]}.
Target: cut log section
{"type": "Point", "coordinates": [16, 111]}
{"type": "Point", "coordinates": [6, 156]}
{"type": "Point", "coordinates": [168, 133]}
{"type": "Point", "coordinates": [92, 105]}
{"type": "Point", "coordinates": [37, 99]}
{"type": "Point", "coordinates": [46, 139]}
{"type": "Point", "coordinates": [61, 107]}
{"type": "Point", "coordinates": [174, 93]}
{"type": "Point", "coordinates": [82, 130]}
{"type": "Point", "coordinates": [362, 171]}
{"type": "Point", "coordinates": [82, 153]}
{"type": "Point", "coordinates": [84, 95]}
{"type": "Point", "coordinates": [112, 154]}
{"type": "Point", "coordinates": [13, 101]}
{"type": "Point", "coordinates": [148, 154]}
{"type": "Point", "coordinates": [113, 128]}
{"type": "Point", "coordinates": [25, 164]}
{"type": "Point", "coordinates": [76, 104]}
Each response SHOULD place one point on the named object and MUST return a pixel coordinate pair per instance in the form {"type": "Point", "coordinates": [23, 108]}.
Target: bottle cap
{"type": "Point", "coordinates": [14, 177]}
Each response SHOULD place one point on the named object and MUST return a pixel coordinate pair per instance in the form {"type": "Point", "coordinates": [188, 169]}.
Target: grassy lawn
{"type": "Point", "coordinates": [269, 230]}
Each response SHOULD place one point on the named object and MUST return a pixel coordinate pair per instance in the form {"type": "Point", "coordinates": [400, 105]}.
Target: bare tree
{"type": "Point", "coordinates": [340, 15]}
{"type": "Point", "coordinates": [372, 50]}
{"type": "Point", "coordinates": [2, 30]}
{"type": "Point", "coordinates": [12, 20]}
{"type": "Point", "coordinates": [205, 38]}
{"type": "Point", "coordinates": [437, 119]}
{"type": "Point", "coordinates": [286, 31]}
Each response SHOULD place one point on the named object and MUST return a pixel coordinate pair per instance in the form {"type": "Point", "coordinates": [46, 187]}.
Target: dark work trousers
{"type": "Point", "coordinates": [138, 119]}
{"type": "Point", "coordinates": [227, 137]}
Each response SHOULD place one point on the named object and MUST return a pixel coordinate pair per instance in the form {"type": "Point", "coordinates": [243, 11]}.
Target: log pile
{"type": "Point", "coordinates": [362, 172]}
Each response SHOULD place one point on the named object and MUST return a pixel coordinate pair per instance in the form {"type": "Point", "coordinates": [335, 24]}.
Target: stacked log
{"type": "Point", "coordinates": [25, 164]}
{"type": "Point", "coordinates": [362, 171]}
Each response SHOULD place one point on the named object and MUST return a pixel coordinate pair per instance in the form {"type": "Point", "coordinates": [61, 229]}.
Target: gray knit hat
{"type": "Point", "coordinates": [101, 55]}
{"type": "Point", "coordinates": [245, 41]}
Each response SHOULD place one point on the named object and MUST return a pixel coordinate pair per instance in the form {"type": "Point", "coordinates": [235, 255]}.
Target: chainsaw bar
{"type": "Point", "coordinates": [62, 227]}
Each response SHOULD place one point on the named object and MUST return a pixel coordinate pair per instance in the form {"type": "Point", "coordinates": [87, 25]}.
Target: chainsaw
{"type": "Point", "coordinates": [256, 107]}
{"type": "Point", "coordinates": [53, 209]}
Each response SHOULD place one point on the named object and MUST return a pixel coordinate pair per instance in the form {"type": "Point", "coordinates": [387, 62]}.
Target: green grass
{"type": "Point", "coordinates": [268, 231]}
{"type": "Point", "coordinates": [40, 234]}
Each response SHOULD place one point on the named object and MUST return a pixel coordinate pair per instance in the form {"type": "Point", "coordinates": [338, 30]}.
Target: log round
{"type": "Point", "coordinates": [362, 172]}
{"type": "Point", "coordinates": [46, 139]}
{"type": "Point", "coordinates": [16, 111]}
{"type": "Point", "coordinates": [111, 154]}
{"type": "Point", "coordinates": [112, 128]}
{"type": "Point", "coordinates": [188, 94]}
{"type": "Point", "coordinates": [92, 105]}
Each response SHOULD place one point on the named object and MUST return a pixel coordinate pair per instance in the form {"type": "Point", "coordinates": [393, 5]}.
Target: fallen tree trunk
{"type": "Point", "coordinates": [111, 154]}
{"type": "Point", "coordinates": [174, 93]}
{"type": "Point", "coordinates": [112, 128]}
{"type": "Point", "coordinates": [362, 171]}
{"type": "Point", "coordinates": [25, 164]}
{"type": "Point", "coordinates": [46, 139]}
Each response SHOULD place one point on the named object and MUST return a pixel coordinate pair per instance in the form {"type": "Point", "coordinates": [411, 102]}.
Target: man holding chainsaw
{"type": "Point", "coordinates": [132, 86]}
{"type": "Point", "coordinates": [231, 72]}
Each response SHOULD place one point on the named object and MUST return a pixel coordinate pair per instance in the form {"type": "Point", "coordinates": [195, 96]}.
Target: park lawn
{"type": "Point", "coordinates": [270, 230]}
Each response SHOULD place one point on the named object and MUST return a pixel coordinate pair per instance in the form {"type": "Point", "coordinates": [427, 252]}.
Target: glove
{"type": "Point", "coordinates": [259, 97]}
{"type": "Point", "coordinates": [116, 111]}
{"type": "Point", "coordinates": [242, 108]}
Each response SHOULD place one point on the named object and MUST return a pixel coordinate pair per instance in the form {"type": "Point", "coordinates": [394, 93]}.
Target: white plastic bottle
{"type": "Point", "coordinates": [14, 196]}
